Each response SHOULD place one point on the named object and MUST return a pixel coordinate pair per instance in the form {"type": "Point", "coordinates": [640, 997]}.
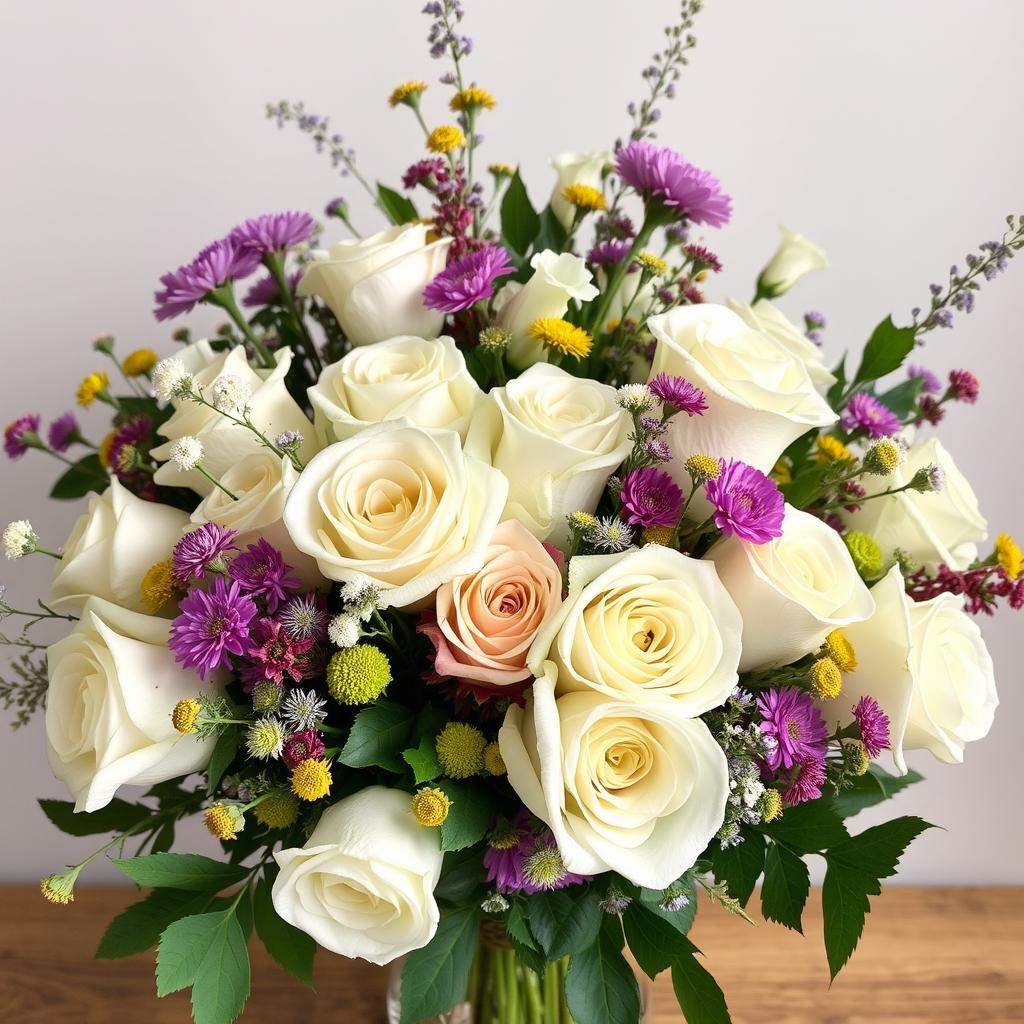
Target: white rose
{"type": "Point", "coordinates": [769, 319]}
{"type": "Point", "coordinates": [558, 279]}
{"type": "Point", "coordinates": [627, 786]}
{"type": "Point", "coordinates": [642, 624]}
{"type": "Point", "coordinates": [937, 526]}
{"type": "Point", "coordinates": [794, 257]}
{"type": "Point", "coordinates": [575, 169]}
{"type": "Point", "coordinates": [793, 591]}
{"type": "Point", "coordinates": [374, 286]}
{"type": "Point", "coordinates": [927, 666]}
{"type": "Point", "coordinates": [557, 438]}
{"type": "Point", "coordinates": [426, 382]}
{"type": "Point", "coordinates": [760, 397]}
{"type": "Point", "coordinates": [363, 885]}
{"type": "Point", "coordinates": [113, 686]}
{"type": "Point", "coordinates": [398, 505]}
{"type": "Point", "coordinates": [112, 545]}
{"type": "Point", "coordinates": [271, 408]}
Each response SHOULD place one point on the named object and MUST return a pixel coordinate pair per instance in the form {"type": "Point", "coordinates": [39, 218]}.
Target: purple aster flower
{"type": "Point", "coordinates": [678, 394]}
{"type": "Point", "coordinates": [792, 719]}
{"type": "Point", "coordinates": [606, 253]}
{"type": "Point", "coordinates": [747, 504]}
{"type": "Point", "coordinates": [63, 432]}
{"type": "Point", "coordinates": [305, 617]}
{"type": "Point", "coordinates": [865, 412]}
{"type": "Point", "coordinates": [21, 435]}
{"type": "Point", "coordinates": [964, 386]}
{"type": "Point", "coordinates": [658, 171]}
{"type": "Point", "coordinates": [262, 571]}
{"type": "Point", "coordinates": [301, 746]}
{"type": "Point", "coordinates": [200, 550]}
{"type": "Point", "coordinates": [129, 440]}
{"type": "Point", "coordinates": [468, 280]}
{"type": "Point", "coordinates": [336, 207]}
{"type": "Point", "coordinates": [274, 653]}
{"type": "Point", "coordinates": [265, 291]}
{"type": "Point", "coordinates": [220, 262]}
{"type": "Point", "coordinates": [273, 232]}
{"type": "Point", "coordinates": [874, 725]}
{"type": "Point", "coordinates": [213, 624]}
{"type": "Point", "coordinates": [930, 383]}
{"type": "Point", "coordinates": [806, 783]}
{"type": "Point", "coordinates": [650, 497]}
{"type": "Point", "coordinates": [510, 849]}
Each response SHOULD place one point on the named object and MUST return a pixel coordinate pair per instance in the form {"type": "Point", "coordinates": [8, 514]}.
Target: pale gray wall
{"type": "Point", "coordinates": [887, 131]}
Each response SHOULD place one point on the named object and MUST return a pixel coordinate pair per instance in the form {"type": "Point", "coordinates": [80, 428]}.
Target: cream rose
{"type": "Point", "coordinates": [112, 545]}
{"type": "Point", "coordinates": [271, 408]}
{"type": "Point", "coordinates": [399, 506]}
{"type": "Point", "coordinates": [487, 620]}
{"type": "Point", "coordinates": [557, 438]}
{"type": "Point", "coordinates": [627, 786]}
{"type": "Point", "coordinates": [113, 686]}
{"type": "Point", "coordinates": [426, 382]}
{"type": "Point", "coordinates": [763, 316]}
{"type": "Point", "coordinates": [760, 397]}
{"type": "Point", "coordinates": [363, 885]}
{"type": "Point", "coordinates": [643, 624]}
{"type": "Point", "coordinates": [937, 526]}
{"type": "Point", "coordinates": [793, 591]}
{"type": "Point", "coordinates": [575, 169]}
{"type": "Point", "coordinates": [557, 280]}
{"type": "Point", "coordinates": [927, 666]}
{"type": "Point", "coordinates": [374, 286]}
{"type": "Point", "coordinates": [794, 257]}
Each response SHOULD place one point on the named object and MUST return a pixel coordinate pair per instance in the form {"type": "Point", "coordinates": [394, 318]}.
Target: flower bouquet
{"type": "Point", "coordinates": [494, 596]}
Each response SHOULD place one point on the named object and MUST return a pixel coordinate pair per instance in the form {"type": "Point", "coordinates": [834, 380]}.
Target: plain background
{"type": "Point", "coordinates": [887, 132]}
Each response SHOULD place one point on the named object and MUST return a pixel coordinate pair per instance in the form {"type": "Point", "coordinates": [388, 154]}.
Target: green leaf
{"type": "Point", "coordinates": [183, 944]}
{"type": "Point", "coordinates": [564, 922]}
{"type": "Point", "coordinates": [164, 839]}
{"type": "Point", "coordinates": [84, 476]}
{"type": "Point", "coordinates": [871, 789]}
{"type": "Point", "coordinates": [600, 986]}
{"type": "Point", "coordinates": [810, 827]}
{"type": "Point", "coordinates": [836, 391]}
{"type": "Point", "coordinates": [462, 874]}
{"type": "Point", "coordinates": [518, 927]}
{"type": "Point", "coordinates": [681, 920]}
{"type": "Point", "coordinates": [654, 943]}
{"type": "Point", "coordinates": [189, 871]}
{"type": "Point", "coordinates": [856, 867]}
{"type": "Point", "coordinates": [470, 814]}
{"type": "Point", "coordinates": [885, 351]}
{"type": "Point", "coordinates": [435, 977]}
{"type": "Point", "coordinates": [786, 885]}
{"type": "Point", "coordinates": [378, 735]}
{"type": "Point", "coordinates": [139, 926]}
{"type": "Point", "coordinates": [423, 761]}
{"type": "Point", "coordinates": [117, 816]}
{"type": "Point", "coordinates": [399, 209]}
{"type": "Point", "coordinates": [221, 985]}
{"type": "Point", "coordinates": [551, 235]}
{"type": "Point", "coordinates": [807, 485]}
{"type": "Point", "coordinates": [519, 221]}
{"type": "Point", "coordinates": [902, 398]}
{"type": "Point", "coordinates": [289, 947]}
{"type": "Point", "coordinates": [224, 751]}
{"type": "Point", "coordinates": [698, 994]}
{"type": "Point", "coordinates": [740, 866]}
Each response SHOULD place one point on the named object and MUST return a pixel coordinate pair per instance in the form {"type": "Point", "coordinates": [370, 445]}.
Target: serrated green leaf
{"type": "Point", "coordinates": [84, 476]}
{"type": "Point", "coordinates": [902, 398]}
{"type": "Point", "coordinates": [810, 827]}
{"type": "Point", "coordinates": [698, 994]}
{"type": "Point", "coordinates": [423, 761]}
{"type": "Point", "coordinates": [786, 885]}
{"type": "Point", "coordinates": [222, 981]}
{"type": "Point", "coordinates": [289, 947]}
{"type": "Point", "coordinates": [681, 920]}
{"type": "Point", "coordinates": [519, 221]}
{"type": "Point", "coordinates": [878, 849]}
{"type": "Point", "coordinates": [435, 977]}
{"type": "Point", "coordinates": [872, 788]}
{"type": "Point", "coordinates": [224, 751]}
{"type": "Point", "coordinates": [885, 351]}
{"type": "Point", "coordinates": [564, 922]}
{"type": "Point", "coordinates": [654, 943]}
{"type": "Point", "coordinates": [600, 986]}
{"type": "Point", "coordinates": [183, 944]}
{"type": "Point", "coordinates": [740, 866]}
{"type": "Point", "coordinates": [181, 871]}
{"type": "Point", "coordinates": [399, 209]}
{"type": "Point", "coordinates": [379, 733]}
{"type": "Point", "coordinates": [468, 817]}
{"type": "Point", "coordinates": [518, 928]}
{"type": "Point", "coordinates": [117, 816]}
{"type": "Point", "coordinates": [139, 926]}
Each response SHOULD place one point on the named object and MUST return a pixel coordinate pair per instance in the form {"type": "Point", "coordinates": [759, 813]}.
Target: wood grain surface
{"type": "Point", "coordinates": [928, 956]}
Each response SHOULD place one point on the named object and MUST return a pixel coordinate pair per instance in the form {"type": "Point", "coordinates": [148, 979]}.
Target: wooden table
{"type": "Point", "coordinates": [929, 956]}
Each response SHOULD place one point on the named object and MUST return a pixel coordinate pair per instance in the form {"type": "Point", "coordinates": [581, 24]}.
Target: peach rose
{"type": "Point", "coordinates": [487, 620]}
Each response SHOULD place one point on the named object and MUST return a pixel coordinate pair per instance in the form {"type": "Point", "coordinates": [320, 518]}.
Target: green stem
{"type": "Point", "coordinates": [275, 264]}
{"type": "Point", "coordinates": [199, 467]}
{"type": "Point", "coordinates": [651, 222]}
{"type": "Point", "coordinates": [224, 296]}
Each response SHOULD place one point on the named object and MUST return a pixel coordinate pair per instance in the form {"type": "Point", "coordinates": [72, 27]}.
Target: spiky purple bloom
{"type": "Point", "coordinates": [662, 172]}
{"type": "Point", "coordinates": [18, 434]}
{"type": "Point", "coordinates": [792, 719]}
{"type": "Point", "coordinates": [468, 280]}
{"type": "Point", "coordinates": [305, 617]}
{"type": "Point", "coordinates": [874, 725]}
{"type": "Point", "coordinates": [272, 232]}
{"type": "Point", "coordinates": [265, 291]}
{"type": "Point", "coordinates": [220, 262]}
{"type": "Point", "coordinates": [865, 412]}
{"type": "Point", "coordinates": [213, 624]}
{"type": "Point", "coordinates": [964, 386]}
{"type": "Point", "coordinates": [301, 746]}
{"type": "Point", "coordinates": [273, 654]}
{"type": "Point", "coordinates": [747, 504]}
{"type": "Point", "coordinates": [129, 439]}
{"type": "Point", "coordinates": [505, 866]}
{"type": "Point", "coordinates": [604, 254]}
{"type": "Point", "coordinates": [678, 393]}
{"type": "Point", "coordinates": [200, 550]}
{"type": "Point", "coordinates": [650, 497]}
{"type": "Point", "coordinates": [63, 432]}
{"type": "Point", "coordinates": [806, 783]}
{"type": "Point", "coordinates": [930, 383]}
{"type": "Point", "coordinates": [262, 571]}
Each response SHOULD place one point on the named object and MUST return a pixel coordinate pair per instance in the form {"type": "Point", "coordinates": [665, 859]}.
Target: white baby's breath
{"type": "Point", "coordinates": [170, 377]}
{"type": "Point", "coordinates": [19, 539]}
{"type": "Point", "coordinates": [343, 631]}
{"type": "Point", "coordinates": [230, 393]}
{"type": "Point", "coordinates": [186, 452]}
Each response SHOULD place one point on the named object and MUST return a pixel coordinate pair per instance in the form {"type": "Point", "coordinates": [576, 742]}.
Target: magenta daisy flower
{"type": "Point", "coordinates": [468, 280]}
{"type": "Point", "coordinates": [650, 497]}
{"type": "Point", "coordinates": [865, 412]}
{"type": "Point", "coordinates": [747, 504]}
{"type": "Point", "coordinates": [506, 850]}
{"type": "Point", "coordinates": [213, 625]}
{"type": "Point", "coordinates": [201, 550]}
{"type": "Point", "coordinates": [274, 654]}
{"type": "Point", "coordinates": [301, 746]}
{"type": "Point", "coordinates": [21, 435]}
{"type": "Point", "coordinates": [265, 291]}
{"type": "Point", "coordinates": [63, 432]}
{"type": "Point", "coordinates": [129, 440]}
{"type": "Point", "coordinates": [273, 232]}
{"type": "Point", "coordinates": [219, 263]}
{"type": "Point", "coordinates": [262, 571]}
{"type": "Point", "coordinates": [874, 725]}
{"type": "Point", "coordinates": [606, 253]}
{"type": "Point", "coordinates": [964, 386]}
{"type": "Point", "coordinates": [678, 394]}
{"type": "Point", "coordinates": [793, 720]}
{"type": "Point", "coordinates": [806, 783]}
